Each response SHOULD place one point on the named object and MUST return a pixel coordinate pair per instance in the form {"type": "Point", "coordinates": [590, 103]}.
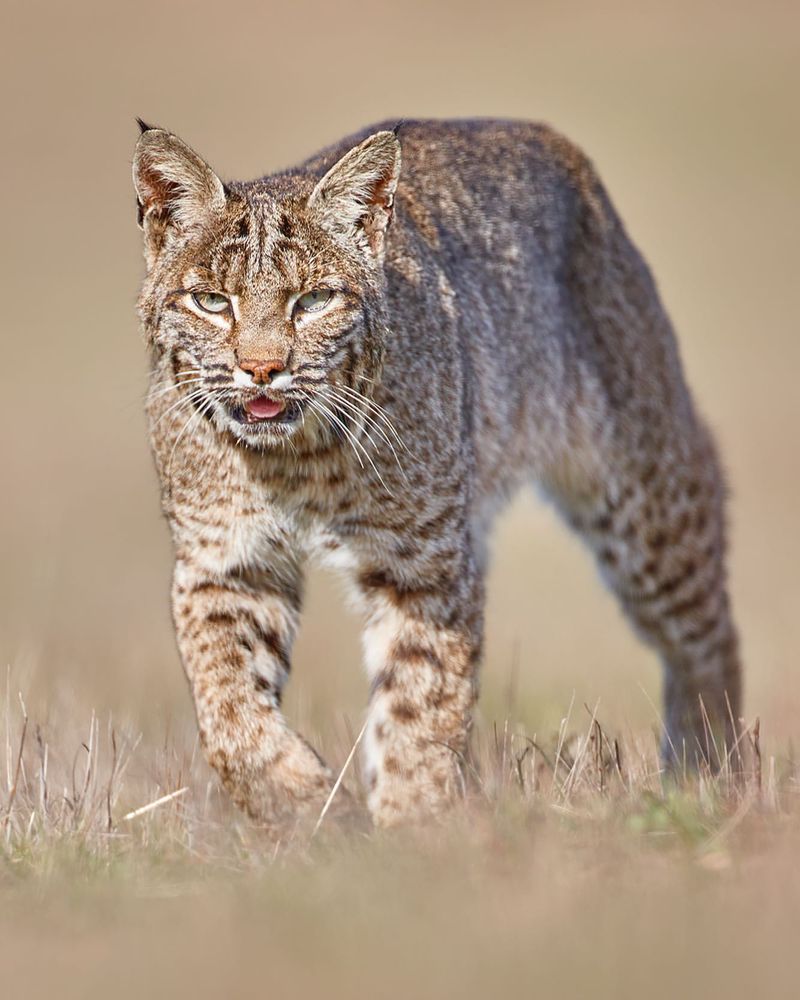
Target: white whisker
{"type": "Point", "coordinates": [379, 411]}
{"type": "Point", "coordinates": [356, 444]}
{"type": "Point", "coordinates": [151, 395]}
{"type": "Point", "coordinates": [376, 413]}
{"type": "Point", "coordinates": [199, 412]}
{"type": "Point", "coordinates": [369, 421]}
{"type": "Point", "coordinates": [316, 405]}
{"type": "Point", "coordinates": [183, 401]}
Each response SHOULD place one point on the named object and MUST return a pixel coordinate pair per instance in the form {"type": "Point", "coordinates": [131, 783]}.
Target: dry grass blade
{"type": "Point", "coordinates": [340, 778]}
{"type": "Point", "coordinates": [155, 804]}
{"type": "Point", "coordinates": [12, 794]}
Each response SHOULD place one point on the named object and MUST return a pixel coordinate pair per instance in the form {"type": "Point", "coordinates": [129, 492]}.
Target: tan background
{"type": "Point", "coordinates": [690, 112]}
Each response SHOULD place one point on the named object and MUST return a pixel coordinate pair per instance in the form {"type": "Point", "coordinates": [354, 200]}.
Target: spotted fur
{"type": "Point", "coordinates": [490, 325]}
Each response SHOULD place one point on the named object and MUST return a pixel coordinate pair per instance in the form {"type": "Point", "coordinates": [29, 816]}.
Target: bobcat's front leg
{"type": "Point", "coordinates": [422, 644]}
{"type": "Point", "coordinates": [235, 631]}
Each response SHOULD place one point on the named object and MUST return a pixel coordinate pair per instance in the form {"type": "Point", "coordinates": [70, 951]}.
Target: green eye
{"type": "Point", "coordinates": [314, 301]}
{"type": "Point", "coordinates": [212, 302]}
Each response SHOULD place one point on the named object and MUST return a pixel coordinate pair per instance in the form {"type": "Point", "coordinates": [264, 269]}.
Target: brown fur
{"type": "Point", "coordinates": [503, 330]}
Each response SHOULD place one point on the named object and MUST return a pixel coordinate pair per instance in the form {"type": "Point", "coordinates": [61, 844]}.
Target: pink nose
{"type": "Point", "coordinates": [262, 371]}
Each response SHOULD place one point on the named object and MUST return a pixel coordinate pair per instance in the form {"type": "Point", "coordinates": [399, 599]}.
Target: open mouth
{"type": "Point", "coordinates": [262, 411]}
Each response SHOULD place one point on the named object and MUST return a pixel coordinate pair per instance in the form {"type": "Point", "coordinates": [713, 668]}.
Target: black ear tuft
{"type": "Point", "coordinates": [396, 129]}
{"type": "Point", "coordinates": [143, 126]}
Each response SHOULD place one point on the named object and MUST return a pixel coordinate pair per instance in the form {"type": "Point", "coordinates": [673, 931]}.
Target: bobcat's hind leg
{"type": "Point", "coordinates": [657, 530]}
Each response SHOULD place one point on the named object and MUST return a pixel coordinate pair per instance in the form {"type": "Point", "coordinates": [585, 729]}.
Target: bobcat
{"type": "Point", "coordinates": [364, 365]}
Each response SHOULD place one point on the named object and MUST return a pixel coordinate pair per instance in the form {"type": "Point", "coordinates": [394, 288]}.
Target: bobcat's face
{"type": "Point", "coordinates": [263, 305]}
{"type": "Point", "coordinates": [262, 316]}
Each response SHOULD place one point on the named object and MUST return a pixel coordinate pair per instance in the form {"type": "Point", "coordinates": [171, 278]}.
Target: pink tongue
{"type": "Point", "coordinates": [264, 408]}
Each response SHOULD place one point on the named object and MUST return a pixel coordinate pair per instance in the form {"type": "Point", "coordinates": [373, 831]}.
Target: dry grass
{"type": "Point", "coordinates": [108, 797]}
{"type": "Point", "coordinates": [572, 866]}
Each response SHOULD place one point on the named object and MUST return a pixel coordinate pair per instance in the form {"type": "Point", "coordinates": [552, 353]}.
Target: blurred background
{"type": "Point", "coordinates": [690, 112]}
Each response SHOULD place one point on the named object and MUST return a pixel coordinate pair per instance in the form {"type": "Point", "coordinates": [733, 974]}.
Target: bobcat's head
{"type": "Point", "coordinates": [265, 298]}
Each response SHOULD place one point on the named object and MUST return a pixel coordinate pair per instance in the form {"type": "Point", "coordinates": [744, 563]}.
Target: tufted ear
{"type": "Point", "coordinates": [174, 186]}
{"type": "Point", "coordinates": [355, 198]}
